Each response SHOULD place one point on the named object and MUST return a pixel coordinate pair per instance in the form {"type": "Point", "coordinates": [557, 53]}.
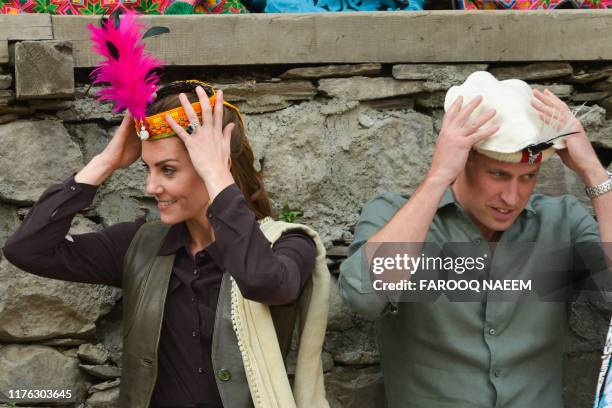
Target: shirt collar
{"type": "Point", "coordinates": [449, 198]}
{"type": "Point", "coordinates": [176, 238]}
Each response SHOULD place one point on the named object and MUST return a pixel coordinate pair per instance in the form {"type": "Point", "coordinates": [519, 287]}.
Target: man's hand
{"type": "Point", "coordinates": [579, 155]}
{"type": "Point", "coordinates": [457, 137]}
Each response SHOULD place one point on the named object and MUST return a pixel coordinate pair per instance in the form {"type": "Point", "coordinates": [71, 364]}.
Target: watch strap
{"type": "Point", "coordinates": [600, 189]}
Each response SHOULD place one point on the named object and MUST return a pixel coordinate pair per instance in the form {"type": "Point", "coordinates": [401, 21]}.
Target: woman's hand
{"type": "Point", "coordinates": [457, 137]}
{"type": "Point", "coordinates": [579, 155]}
{"type": "Point", "coordinates": [209, 144]}
{"type": "Point", "coordinates": [123, 150]}
{"type": "Point", "coordinates": [125, 146]}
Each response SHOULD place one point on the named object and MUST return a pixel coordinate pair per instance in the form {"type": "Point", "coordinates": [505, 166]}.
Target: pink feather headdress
{"type": "Point", "coordinates": [130, 72]}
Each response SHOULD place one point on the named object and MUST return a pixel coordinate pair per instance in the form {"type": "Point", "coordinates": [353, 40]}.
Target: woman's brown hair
{"type": "Point", "coordinates": [247, 178]}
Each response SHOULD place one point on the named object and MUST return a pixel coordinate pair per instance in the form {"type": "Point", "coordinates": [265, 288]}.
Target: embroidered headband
{"type": "Point", "coordinates": [155, 127]}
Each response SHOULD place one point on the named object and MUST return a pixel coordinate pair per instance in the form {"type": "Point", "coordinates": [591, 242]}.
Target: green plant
{"type": "Point", "coordinates": [290, 215]}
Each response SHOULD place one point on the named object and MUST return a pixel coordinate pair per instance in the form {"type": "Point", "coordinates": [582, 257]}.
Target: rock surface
{"type": "Point", "coordinates": [445, 75]}
{"type": "Point", "coordinates": [362, 88]}
{"type": "Point", "coordinates": [5, 81]}
{"type": "Point", "coordinates": [93, 354]}
{"type": "Point", "coordinates": [41, 368]}
{"type": "Point", "coordinates": [24, 172]}
{"type": "Point", "coordinates": [349, 387]}
{"type": "Point", "coordinates": [56, 81]}
{"type": "Point", "coordinates": [536, 71]}
{"type": "Point", "coordinates": [308, 156]}
{"type": "Point", "coordinates": [36, 308]}
{"type": "Point", "coordinates": [102, 371]}
{"type": "Point", "coordinates": [340, 316]}
{"type": "Point", "coordinates": [104, 399]}
{"type": "Point", "coordinates": [332, 71]}
{"type": "Point", "coordinates": [86, 107]}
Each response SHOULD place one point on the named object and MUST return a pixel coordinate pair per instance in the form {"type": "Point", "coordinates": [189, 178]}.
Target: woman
{"type": "Point", "coordinates": [180, 349]}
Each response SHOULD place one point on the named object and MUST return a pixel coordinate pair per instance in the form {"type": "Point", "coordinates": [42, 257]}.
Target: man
{"type": "Point", "coordinates": [479, 190]}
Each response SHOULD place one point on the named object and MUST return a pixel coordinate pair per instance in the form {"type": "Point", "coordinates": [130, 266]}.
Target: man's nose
{"type": "Point", "coordinates": [510, 194]}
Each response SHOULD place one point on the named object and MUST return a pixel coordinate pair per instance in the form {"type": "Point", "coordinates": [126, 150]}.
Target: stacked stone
{"type": "Point", "coordinates": [327, 139]}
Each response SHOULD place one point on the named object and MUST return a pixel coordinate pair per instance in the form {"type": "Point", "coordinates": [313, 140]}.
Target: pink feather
{"type": "Point", "coordinates": [132, 83]}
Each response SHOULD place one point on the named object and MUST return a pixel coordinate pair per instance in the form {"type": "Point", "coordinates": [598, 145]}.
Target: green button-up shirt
{"type": "Point", "coordinates": [446, 354]}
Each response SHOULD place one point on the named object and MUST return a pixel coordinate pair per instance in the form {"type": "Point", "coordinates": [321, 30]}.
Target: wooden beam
{"type": "Point", "coordinates": [386, 37]}
{"type": "Point", "coordinates": [4, 53]}
{"type": "Point", "coordinates": [25, 27]}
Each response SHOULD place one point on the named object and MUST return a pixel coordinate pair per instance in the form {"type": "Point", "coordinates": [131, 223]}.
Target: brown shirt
{"type": "Point", "coordinates": [272, 275]}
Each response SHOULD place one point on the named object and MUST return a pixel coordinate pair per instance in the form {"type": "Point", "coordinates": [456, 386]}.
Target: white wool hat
{"type": "Point", "coordinates": [520, 127]}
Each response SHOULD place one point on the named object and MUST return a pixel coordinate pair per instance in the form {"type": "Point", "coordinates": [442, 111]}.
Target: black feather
{"type": "Point", "coordinates": [152, 72]}
{"type": "Point", "coordinates": [155, 31]}
{"type": "Point", "coordinates": [112, 50]}
{"type": "Point", "coordinates": [115, 16]}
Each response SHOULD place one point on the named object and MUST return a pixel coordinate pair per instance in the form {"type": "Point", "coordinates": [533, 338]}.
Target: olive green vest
{"type": "Point", "coordinates": [145, 285]}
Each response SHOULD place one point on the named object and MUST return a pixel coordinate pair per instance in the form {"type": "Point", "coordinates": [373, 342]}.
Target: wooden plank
{"type": "Point", "coordinates": [4, 54]}
{"type": "Point", "coordinates": [25, 27]}
{"type": "Point", "coordinates": [386, 37]}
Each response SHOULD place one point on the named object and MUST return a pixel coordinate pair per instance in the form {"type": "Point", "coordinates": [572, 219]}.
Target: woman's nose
{"type": "Point", "coordinates": [152, 187]}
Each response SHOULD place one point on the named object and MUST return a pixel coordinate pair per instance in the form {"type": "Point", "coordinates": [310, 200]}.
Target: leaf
{"type": "Point", "coordinates": [155, 31]}
{"type": "Point", "coordinates": [112, 50]}
{"type": "Point", "coordinates": [290, 215]}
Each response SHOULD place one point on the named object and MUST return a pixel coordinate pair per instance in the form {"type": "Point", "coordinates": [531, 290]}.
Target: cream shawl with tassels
{"type": "Point", "coordinates": [261, 355]}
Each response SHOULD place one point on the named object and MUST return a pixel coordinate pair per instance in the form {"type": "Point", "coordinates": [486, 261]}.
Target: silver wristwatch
{"type": "Point", "coordinates": [600, 189]}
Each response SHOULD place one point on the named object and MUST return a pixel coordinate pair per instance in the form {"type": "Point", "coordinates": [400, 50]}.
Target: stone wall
{"type": "Point", "coordinates": [328, 138]}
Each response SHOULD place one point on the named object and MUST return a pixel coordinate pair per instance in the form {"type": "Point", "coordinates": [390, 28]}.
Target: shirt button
{"type": "Point", "coordinates": [224, 375]}
{"type": "Point", "coordinates": [209, 215]}
{"type": "Point", "coordinates": [200, 370]}
{"type": "Point", "coordinates": [195, 271]}
{"type": "Point", "coordinates": [496, 373]}
{"type": "Point", "coordinates": [193, 299]}
{"type": "Point", "coordinates": [194, 333]}
{"type": "Point", "coordinates": [492, 332]}
{"type": "Point", "coordinates": [72, 188]}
